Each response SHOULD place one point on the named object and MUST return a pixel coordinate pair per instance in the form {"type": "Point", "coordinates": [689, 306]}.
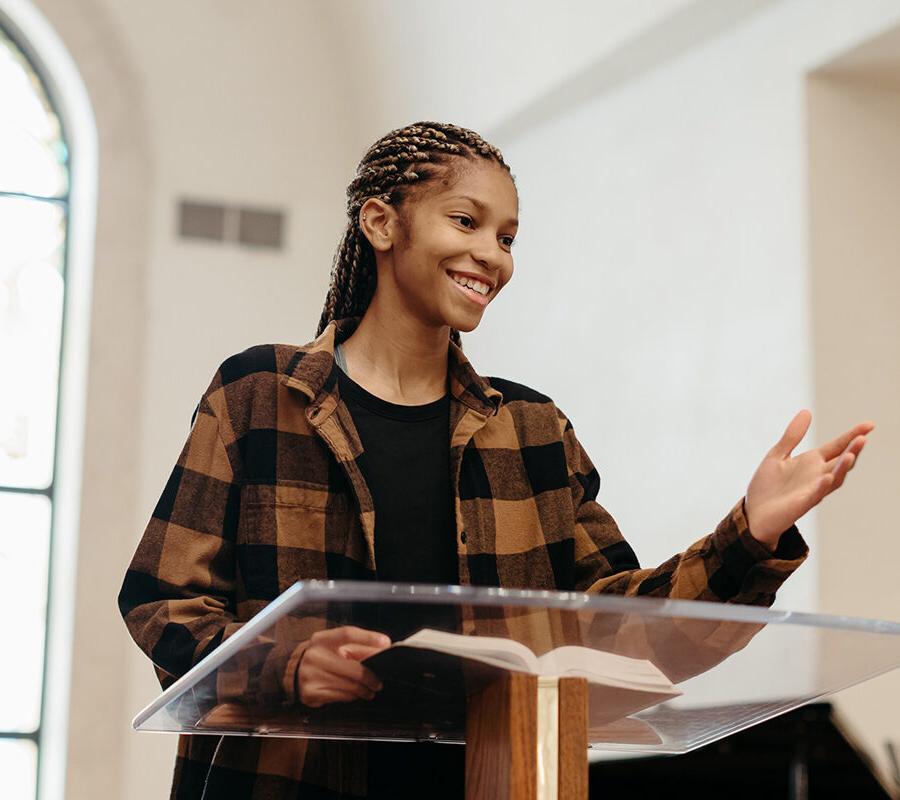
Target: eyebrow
{"type": "Point", "coordinates": [481, 206]}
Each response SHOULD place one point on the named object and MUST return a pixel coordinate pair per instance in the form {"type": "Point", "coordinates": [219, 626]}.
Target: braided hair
{"type": "Point", "coordinates": [392, 170]}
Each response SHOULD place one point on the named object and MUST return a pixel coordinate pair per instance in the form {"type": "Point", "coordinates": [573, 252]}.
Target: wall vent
{"type": "Point", "coordinates": [201, 221]}
{"type": "Point", "coordinates": [259, 228]}
{"type": "Point", "coordinates": [250, 227]}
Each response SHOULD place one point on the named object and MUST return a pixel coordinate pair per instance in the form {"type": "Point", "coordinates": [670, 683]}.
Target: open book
{"type": "Point", "coordinates": [437, 661]}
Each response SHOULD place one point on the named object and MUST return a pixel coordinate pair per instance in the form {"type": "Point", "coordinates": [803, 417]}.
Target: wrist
{"type": "Point", "coordinates": [768, 541]}
{"type": "Point", "coordinates": [297, 681]}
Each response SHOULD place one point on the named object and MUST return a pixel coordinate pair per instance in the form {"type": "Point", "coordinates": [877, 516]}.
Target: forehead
{"type": "Point", "coordinates": [485, 185]}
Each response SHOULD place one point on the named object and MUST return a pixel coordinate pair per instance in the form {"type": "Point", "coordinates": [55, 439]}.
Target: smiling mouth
{"type": "Point", "coordinates": [470, 294]}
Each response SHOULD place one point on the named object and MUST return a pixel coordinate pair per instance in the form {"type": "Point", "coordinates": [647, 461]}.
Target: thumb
{"type": "Point", "coordinates": [350, 634]}
{"type": "Point", "coordinates": [358, 652]}
{"type": "Point", "coordinates": [793, 434]}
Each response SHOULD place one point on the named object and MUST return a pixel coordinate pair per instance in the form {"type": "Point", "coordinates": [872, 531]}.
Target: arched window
{"type": "Point", "coordinates": [34, 214]}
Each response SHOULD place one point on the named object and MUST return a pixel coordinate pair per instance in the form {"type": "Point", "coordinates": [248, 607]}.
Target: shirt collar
{"type": "Point", "coordinates": [313, 371]}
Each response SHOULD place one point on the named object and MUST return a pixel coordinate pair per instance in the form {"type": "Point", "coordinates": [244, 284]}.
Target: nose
{"type": "Point", "coordinates": [488, 252]}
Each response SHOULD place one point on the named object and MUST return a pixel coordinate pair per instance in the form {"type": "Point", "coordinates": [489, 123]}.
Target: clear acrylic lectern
{"type": "Point", "coordinates": [651, 675]}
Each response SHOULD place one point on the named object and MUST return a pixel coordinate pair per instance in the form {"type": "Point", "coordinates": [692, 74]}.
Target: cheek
{"type": "Point", "coordinates": [421, 271]}
{"type": "Point", "coordinates": [437, 249]}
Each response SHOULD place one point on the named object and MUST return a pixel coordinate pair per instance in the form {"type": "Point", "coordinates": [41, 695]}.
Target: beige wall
{"type": "Point", "coordinates": [854, 179]}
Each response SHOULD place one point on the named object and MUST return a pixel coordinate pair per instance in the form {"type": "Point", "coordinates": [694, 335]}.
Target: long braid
{"type": "Point", "coordinates": [392, 168]}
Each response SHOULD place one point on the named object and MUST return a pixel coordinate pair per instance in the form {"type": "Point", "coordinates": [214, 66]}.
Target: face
{"type": "Point", "coordinates": [453, 235]}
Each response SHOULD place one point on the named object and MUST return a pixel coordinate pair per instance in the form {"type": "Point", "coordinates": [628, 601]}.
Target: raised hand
{"type": "Point", "coordinates": [785, 487]}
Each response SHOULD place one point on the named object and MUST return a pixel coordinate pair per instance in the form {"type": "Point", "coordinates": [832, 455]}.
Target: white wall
{"type": "Point", "coordinates": [663, 246]}
{"type": "Point", "coordinates": [475, 63]}
{"type": "Point", "coordinates": [663, 253]}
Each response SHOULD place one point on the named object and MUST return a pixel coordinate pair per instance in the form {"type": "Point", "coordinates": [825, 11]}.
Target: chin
{"type": "Point", "coordinates": [466, 326]}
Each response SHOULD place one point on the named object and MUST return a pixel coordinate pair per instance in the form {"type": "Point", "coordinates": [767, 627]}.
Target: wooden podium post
{"type": "Point", "coordinates": [526, 739]}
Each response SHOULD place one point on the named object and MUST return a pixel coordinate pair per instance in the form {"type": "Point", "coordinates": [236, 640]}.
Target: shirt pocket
{"type": "Point", "coordinates": [290, 531]}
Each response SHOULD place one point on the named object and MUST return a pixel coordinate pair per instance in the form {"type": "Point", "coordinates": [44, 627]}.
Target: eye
{"type": "Point", "coordinates": [509, 240]}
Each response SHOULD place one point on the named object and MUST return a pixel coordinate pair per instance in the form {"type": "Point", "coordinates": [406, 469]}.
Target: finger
{"type": "Point", "coordinates": [837, 446]}
{"type": "Point", "coordinates": [352, 670]}
{"type": "Point", "coordinates": [321, 675]}
{"type": "Point", "coordinates": [320, 697]}
{"type": "Point", "coordinates": [855, 447]}
{"type": "Point", "coordinates": [323, 679]}
{"type": "Point", "coordinates": [358, 652]}
{"type": "Point", "coordinates": [328, 680]}
{"type": "Point", "coordinates": [840, 472]}
{"type": "Point", "coordinates": [834, 478]}
{"type": "Point", "coordinates": [823, 487]}
{"type": "Point", "coordinates": [793, 434]}
{"type": "Point", "coordinates": [350, 634]}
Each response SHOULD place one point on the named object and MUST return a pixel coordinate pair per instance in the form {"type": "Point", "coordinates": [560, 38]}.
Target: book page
{"type": "Point", "coordinates": [610, 669]}
{"type": "Point", "coordinates": [490, 649]}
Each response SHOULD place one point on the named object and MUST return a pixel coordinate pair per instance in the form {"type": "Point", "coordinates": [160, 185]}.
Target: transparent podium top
{"type": "Point", "coordinates": [664, 676]}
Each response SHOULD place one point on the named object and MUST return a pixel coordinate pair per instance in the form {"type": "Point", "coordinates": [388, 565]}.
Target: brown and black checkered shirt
{"type": "Point", "coordinates": [268, 489]}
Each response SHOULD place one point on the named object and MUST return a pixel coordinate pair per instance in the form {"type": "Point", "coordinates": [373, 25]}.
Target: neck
{"type": "Point", "coordinates": [397, 357]}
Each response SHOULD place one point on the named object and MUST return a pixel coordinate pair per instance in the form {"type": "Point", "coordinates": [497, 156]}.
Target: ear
{"type": "Point", "coordinates": [381, 224]}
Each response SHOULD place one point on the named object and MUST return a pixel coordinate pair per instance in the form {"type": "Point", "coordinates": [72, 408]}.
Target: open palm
{"type": "Point", "coordinates": [785, 487]}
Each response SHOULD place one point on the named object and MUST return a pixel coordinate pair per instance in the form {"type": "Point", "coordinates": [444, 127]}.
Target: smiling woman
{"type": "Point", "coordinates": [432, 217]}
{"type": "Point", "coordinates": [413, 468]}
{"type": "Point", "coordinates": [410, 170]}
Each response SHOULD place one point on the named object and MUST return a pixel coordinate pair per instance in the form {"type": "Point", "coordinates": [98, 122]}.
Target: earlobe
{"type": "Point", "coordinates": [382, 241]}
{"type": "Point", "coordinates": [374, 222]}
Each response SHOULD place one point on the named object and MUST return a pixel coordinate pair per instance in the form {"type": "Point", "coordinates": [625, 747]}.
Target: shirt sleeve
{"type": "Point", "coordinates": [727, 565]}
{"type": "Point", "coordinates": [178, 594]}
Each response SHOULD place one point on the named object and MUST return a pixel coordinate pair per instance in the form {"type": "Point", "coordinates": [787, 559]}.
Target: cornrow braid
{"type": "Point", "coordinates": [392, 168]}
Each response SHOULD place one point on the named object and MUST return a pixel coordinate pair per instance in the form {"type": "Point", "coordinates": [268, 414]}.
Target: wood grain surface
{"type": "Point", "coordinates": [573, 743]}
{"type": "Point", "coordinates": [501, 740]}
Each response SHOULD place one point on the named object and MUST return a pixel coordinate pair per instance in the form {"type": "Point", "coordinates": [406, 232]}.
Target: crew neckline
{"type": "Point", "coordinates": [385, 408]}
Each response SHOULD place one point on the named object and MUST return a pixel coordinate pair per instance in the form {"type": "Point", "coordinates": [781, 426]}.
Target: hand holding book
{"type": "Point", "coordinates": [347, 663]}
{"type": "Point", "coordinates": [451, 664]}
{"type": "Point", "coordinates": [330, 670]}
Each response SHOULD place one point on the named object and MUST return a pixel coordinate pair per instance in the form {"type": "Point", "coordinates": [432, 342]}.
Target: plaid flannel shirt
{"type": "Point", "coordinates": [268, 489]}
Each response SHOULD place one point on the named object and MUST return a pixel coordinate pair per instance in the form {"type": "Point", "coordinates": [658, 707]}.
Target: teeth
{"type": "Point", "coordinates": [478, 286]}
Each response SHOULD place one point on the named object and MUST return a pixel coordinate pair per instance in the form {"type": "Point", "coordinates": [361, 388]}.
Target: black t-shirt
{"type": "Point", "coordinates": [406, 465]}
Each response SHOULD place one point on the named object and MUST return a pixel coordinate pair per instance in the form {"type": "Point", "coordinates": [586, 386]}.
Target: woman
{"type": "Point", "coordinates": [331, 460]}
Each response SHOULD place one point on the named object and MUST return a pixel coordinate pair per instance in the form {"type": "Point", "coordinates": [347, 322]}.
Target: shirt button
{"type": "Point", "coordinates": [462, 537]}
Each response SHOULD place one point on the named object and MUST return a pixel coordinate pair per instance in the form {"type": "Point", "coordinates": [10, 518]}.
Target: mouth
{"type": "Point", "coordinates": [471, 294]}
